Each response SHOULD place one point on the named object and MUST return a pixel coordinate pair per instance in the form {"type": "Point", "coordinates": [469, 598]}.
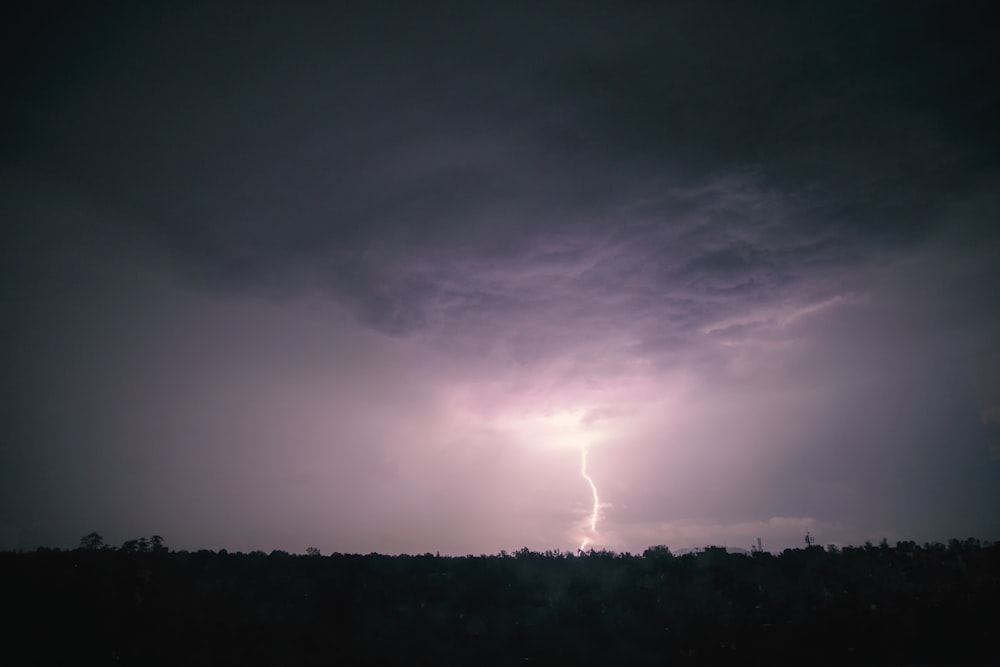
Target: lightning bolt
{"type": "Point", "coordinates": [593, 490]}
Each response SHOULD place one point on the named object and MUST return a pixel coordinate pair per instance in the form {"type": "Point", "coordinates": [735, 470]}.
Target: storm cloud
{"type": "Point", "coordinates": [371, 277]}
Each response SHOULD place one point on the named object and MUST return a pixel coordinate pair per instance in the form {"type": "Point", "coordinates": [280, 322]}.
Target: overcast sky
{"type": "Point", "coordinates": [374, 278]}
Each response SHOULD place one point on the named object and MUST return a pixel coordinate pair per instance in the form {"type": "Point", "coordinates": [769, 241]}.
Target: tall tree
{"type": "Point", "coordinates": [92, 541]}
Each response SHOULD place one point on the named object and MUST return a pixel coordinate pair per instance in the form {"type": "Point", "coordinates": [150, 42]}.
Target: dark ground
{"type": "Point", "coordinates": [143, 604]}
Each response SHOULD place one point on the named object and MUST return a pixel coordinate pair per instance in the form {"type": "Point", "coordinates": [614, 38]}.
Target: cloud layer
{"type": "Point", "coordinates": [372, 278]}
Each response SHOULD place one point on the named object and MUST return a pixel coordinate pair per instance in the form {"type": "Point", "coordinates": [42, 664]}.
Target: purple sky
{"type": "Point", "coordinates": [374, 279]}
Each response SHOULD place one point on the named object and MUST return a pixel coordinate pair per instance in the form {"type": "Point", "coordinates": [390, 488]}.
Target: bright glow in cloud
{"type": "Point", "coordinates": [574, 428]}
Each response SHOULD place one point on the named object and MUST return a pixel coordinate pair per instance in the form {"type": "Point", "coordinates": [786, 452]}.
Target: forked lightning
{"type": "Point", "coordinates": [597, 502]}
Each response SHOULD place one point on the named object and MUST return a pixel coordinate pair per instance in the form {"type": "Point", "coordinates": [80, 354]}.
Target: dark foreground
{"type": "Point", "coordinates": [874, 604]}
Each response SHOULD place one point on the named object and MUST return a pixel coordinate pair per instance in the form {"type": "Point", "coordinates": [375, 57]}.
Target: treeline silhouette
{"type": "Point", "coordinates": [142, 603]}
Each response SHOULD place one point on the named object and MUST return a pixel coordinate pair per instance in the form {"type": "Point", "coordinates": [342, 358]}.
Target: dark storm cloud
{"type": "Point", "coordinates": [256, 143]}
{"type": "Point", "coordinates": [769, 220]}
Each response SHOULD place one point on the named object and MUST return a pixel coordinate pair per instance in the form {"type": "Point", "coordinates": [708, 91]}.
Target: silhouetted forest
{"type": "Point", "coordinates": [144, 604]}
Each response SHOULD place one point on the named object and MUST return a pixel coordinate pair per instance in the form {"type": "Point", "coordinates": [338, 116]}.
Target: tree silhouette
{"type": "Point", "coordinates": [905, 604]}
{"type": "Point", "coordinates": [92, 541]}
{"type": "Point", "coordinates": [658, 551]}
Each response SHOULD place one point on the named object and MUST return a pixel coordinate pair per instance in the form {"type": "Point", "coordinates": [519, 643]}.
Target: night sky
{"type": "Point", "coordinates": [374, 277]}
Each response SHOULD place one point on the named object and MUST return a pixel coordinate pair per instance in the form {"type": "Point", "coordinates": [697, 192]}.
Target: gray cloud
{"type": "Point", "coordinates": [754, 247]}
